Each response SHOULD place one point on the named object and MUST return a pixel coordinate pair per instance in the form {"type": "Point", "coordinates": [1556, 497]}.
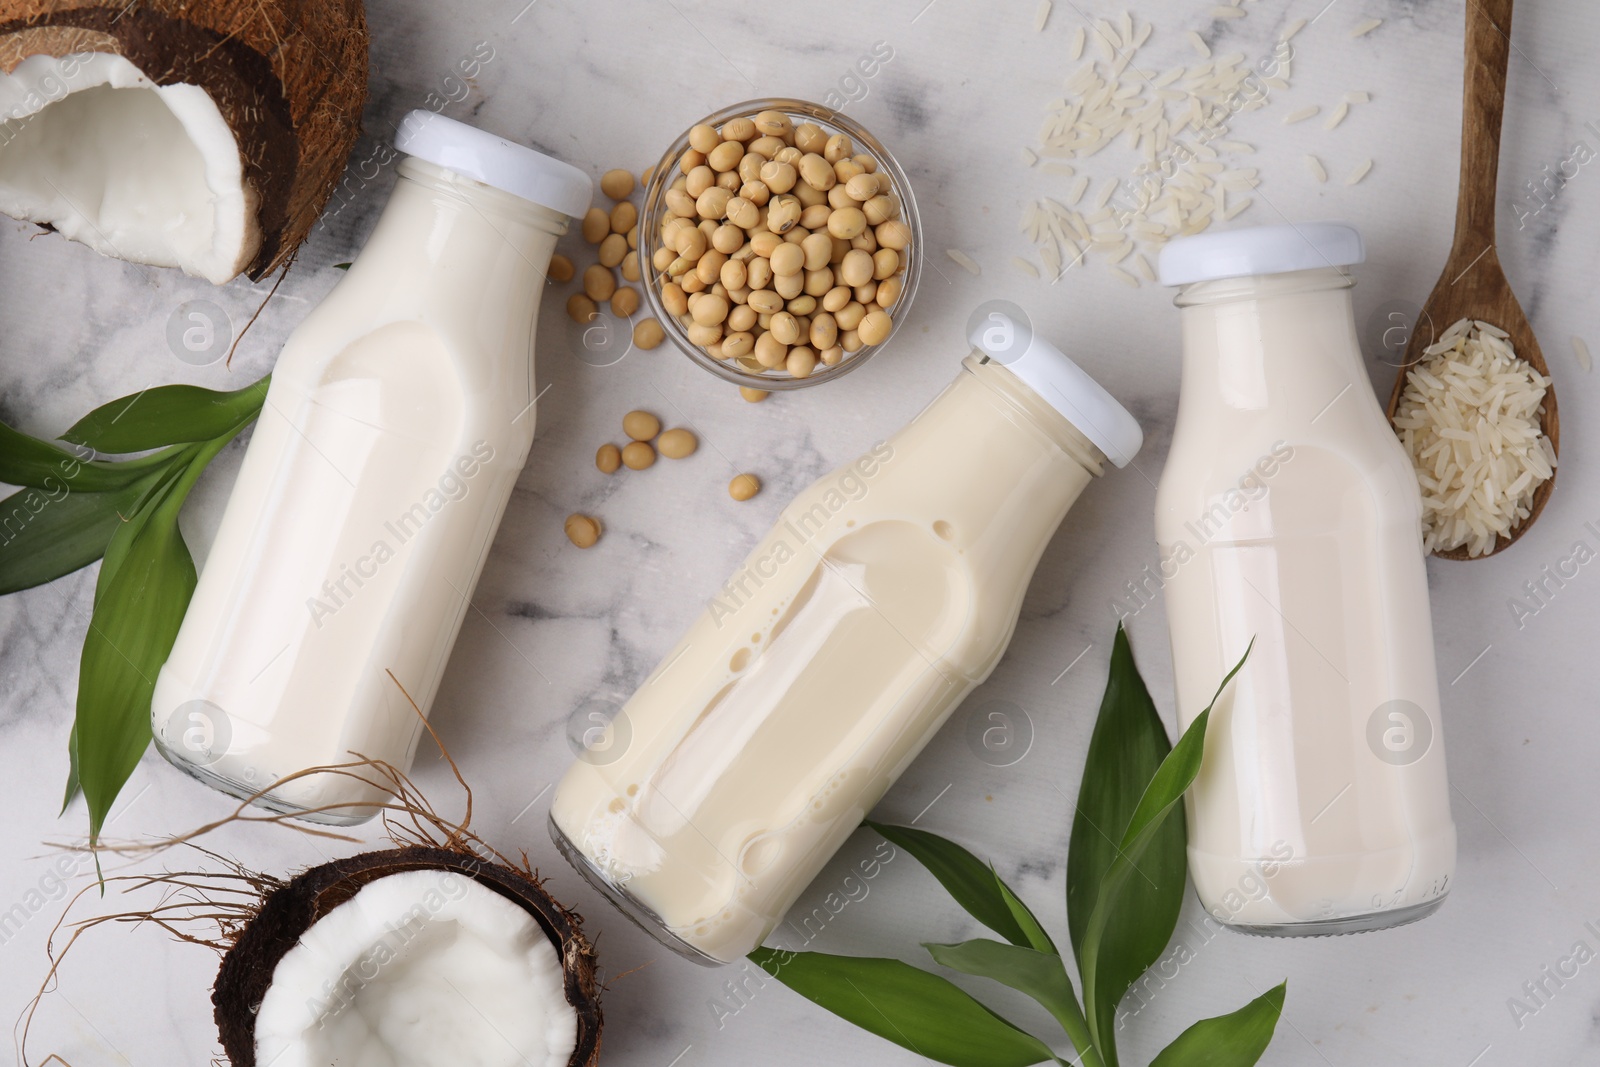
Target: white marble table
{"type": "Point", "coordinates": [600, 84]}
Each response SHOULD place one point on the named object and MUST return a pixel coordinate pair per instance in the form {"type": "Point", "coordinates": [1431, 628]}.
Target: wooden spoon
{"type": "Point", "coordinates": [1473, 285]}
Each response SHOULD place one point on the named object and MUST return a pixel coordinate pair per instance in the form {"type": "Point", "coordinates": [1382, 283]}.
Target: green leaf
{"type": "Point", "coordinates": [134, 624]}
{"type": "Point", "coordinates": [166, 415]}
{"type": "Point", "coordinates": [28, 461]}
{"type": "Point", "coordinates": [133, 521]}
{"type": "Point", "coordinates": [916, 1010]}
{"type": "Point", "coordinates": [972, 883]}
{"type": "Point", "coordinates": [73, 788]}
{"type": "Point", "coordinates": [1041, 975]}
{"type": "Point", "coordinates": [137, 612]}
{"type": "Point", "coordinates": [1128, 745]}
{"type": "Point", "coordinates": [1234, 1040]}
{"type": "Point", "coordinates": [45, 534]}
{"type": "Point", "coordinates": [1103, 970]}
{"type": "Point", "coordinates": [1033, 933]}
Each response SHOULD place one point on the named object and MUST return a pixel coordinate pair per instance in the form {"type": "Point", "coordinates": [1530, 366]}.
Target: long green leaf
{"type": "Point", "coordinates": [28, 461]}
{"type": "Point", "coordinates": [134, 624]}
{"type": "Point", "coordinates": [1101, 969]}
{"type": "Point", "coordinates": [968, 879]}
{"type": "Point", "coordinates": [45, 535]}
{"type": "Point", "coordinates": [1234, 1040]}
{"type": "Point", "coordinates": [137, 612]}
{"type": "Point", "coordinates": [916, 1010]}
{"type": "Point", "coordinates": [1128, 745]}
{"type": "Point", "coordinates": [73, 788]}
{"type": "Point", "coordinates": [1033, 932]}
{"type": "Point", "coordinates": [134, 520]}
{"type": "Point", "coordinates": [1041, 975]}
{"type": "Point", "coordinates": [165, 415]}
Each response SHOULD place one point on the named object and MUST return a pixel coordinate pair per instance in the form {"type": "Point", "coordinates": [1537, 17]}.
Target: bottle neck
{"type": "Point", "coordinates": [449, 243]}
{"type": "Point", "coordinates": [1020, 400]}
{"type": "Point", "coordinates": [1248, 342]}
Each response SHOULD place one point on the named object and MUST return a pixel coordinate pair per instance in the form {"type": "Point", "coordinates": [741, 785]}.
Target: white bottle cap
{"type": "Point", "coordinates": [495, 161]}
{"type": "Point", "coordinates": [1260, 250]}
{"type": "Point", "coordinates": [1061, 383]}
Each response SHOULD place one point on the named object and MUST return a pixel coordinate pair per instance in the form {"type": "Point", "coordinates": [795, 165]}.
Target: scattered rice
{"type": "Point", "coordinates": [1145, 270]}
{"type": "Point", "coordinates": [1300, 115]}
{"type": "Point", "coordinates": [1124, 277]}
{"type": "Point", "coordinates": [1041, 16]}
{"type": "Point", "coordinates": [1029, 157]}
{"type": "Point", "coordinates": [1337, 117]}
{"type": "Point", "coordinates": [1227, 13]}
{"type": "Point", "coordinates": [1366, 27]}
{"type": "Point", "coordinates": [1358, 97]}
{"type": "Point", "coordinates": [1359, 173]}
{"type": "Point", "coordinates": [964, 260]}
{"type": "Point", "coordinates": [1294, 27]}
{"type": "Point", "coordinates": [1469, 417]}
{"type": "Point", "coordinates": [1025, 266]}
{"type": "Point", "coordinates": [1580, 349]}
{"type": "Point", "coordinates": [1318, 171]}
{"type": "Point", "coordinates": [1174, 120]}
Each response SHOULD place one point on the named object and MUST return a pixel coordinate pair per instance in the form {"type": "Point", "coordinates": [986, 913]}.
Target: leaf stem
{"type": "Point", "coordinates": [1077, 1028]}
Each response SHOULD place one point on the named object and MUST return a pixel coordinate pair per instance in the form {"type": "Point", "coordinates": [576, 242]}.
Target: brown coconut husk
{"type": "Point", "coordinates": [289, 76]}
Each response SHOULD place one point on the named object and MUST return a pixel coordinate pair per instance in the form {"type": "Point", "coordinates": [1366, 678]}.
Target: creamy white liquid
{"type": "Point", "coordinates": [399, 415]}
{"type": "Point", "coordinates": [886, 591]}
{"type": "Point", "coordinates": [1288, 513]}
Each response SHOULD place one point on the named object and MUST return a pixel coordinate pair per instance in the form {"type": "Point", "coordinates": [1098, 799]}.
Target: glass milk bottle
{"type": "Point", "coordinates": [884, 594]}
{"type": "Point", "coordinates": [398, 418]}
{"type": "Point", "coordinates": [1288, 513]}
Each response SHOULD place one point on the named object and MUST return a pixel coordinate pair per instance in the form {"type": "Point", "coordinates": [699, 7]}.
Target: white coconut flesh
{"type": "Point", "coordinates": [418, 969]}
{"type": "Point", "coordinates": [134, 170]}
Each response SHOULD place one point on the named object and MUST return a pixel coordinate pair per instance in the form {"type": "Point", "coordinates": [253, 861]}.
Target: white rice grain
{"type": "Point", "coordinates": [1075, 49]}
{"type": "Point", "coordinates": [1359, 173]}
{"type": "Point", "coordinates": [963, 260]}
{"type": "Point", "coordinates": [1337, 117]}
{"type": "Point", "coordinates": [1041, 16]}
{"type": "Point", "coordinates": [1199, 43]}
{"type": "Point", "coordinates": [1366, 27]}
{"type": "Point", "coordinates": [1025, 266]}
{"type": "Point", "coordinates": [1300, 114]}
{"type": "Point", "coordinates": [1318, 171]}
{"type": "Point", "coordinates": [1580, 349]}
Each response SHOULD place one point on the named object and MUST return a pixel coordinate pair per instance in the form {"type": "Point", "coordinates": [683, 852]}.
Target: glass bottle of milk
{"type": "Point", "coordinates": [399, 415]}
{"type": "Point", "coordinates": [1288, 513]}
{"type": "Point", "coordinates": [884, 594]}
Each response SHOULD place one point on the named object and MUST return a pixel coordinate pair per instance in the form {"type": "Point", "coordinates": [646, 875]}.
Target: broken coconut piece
{"type": "Point", "coordinates": [405, 958]}
{"type": "Point", "coordinates": [203, 135]}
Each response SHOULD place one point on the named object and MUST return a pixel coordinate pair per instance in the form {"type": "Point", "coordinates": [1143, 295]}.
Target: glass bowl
{"type": "Point", "coordinates": [655, 208]}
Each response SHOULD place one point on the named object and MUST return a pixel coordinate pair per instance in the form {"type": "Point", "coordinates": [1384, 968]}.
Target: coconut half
{"type": "Point", "coordinates": [410, 958]}
{"type": "Point", "coordinates": [205, 135]}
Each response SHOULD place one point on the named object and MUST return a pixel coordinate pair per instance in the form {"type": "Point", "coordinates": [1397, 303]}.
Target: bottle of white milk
{"type": "Point", "coordinates": [884, 594]}
{"type": "Point", "coordinates": [398, 418]}
{"type": "Point", "coordinates": [1288, 513]}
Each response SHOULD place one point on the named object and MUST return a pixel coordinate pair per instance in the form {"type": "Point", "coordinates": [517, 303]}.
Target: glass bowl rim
{"type": "Point", "coordinates": [655, 203]}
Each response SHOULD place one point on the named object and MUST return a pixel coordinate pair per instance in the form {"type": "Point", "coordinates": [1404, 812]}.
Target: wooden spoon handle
{"type": "Point", "coordinates": [1483, 103]}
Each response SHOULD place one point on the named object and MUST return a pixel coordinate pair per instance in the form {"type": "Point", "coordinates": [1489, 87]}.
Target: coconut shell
{"type": "Point", "coordinates": [291, 909]}
{"type": "Point", "coordinates": [289, 76]}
